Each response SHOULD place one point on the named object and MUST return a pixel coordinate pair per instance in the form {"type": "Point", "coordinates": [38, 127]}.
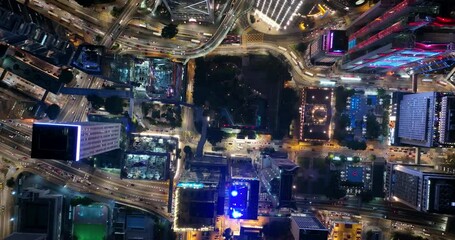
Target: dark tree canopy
{"type": "Point", "coordinates": [356, 145]}
{"type": "Point", "coordinates": [301, 47]}
{"type": "Point", "coordinates": [66, 76]}
{"type": "Point", "coordinates": [52, 111]}
{"type": "Point", "coordinates": [114, 105]}
{"type": "Point", "coordinates": [96, 101]}
{"type": "Point", "coordinates": [169, 31]}
{"type": "Point", "coordinates": [85, 201]}
{"type": "Point", "coordinates": [85, 3]}
{"type": "Point", "coordinates": [187, 150]}
{"type": "Point", "coordinates": [10, 182]}
{"type": "Point", "coordinates": [373, 127]}
{"type": "Point", "coordinates": [214, 135]}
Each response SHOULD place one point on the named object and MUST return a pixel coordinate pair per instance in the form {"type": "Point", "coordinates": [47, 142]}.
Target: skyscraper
{"type": "Point", "coordinates": [425, 119]}
{"type": "Point", "coordinates": [421, 187]}
{"type": "Point", "coordinates": [191, 10]}
{"type": "Point", "coordinates": [74, 141]}
{"type": "Point", "coordinates": [411, 35]}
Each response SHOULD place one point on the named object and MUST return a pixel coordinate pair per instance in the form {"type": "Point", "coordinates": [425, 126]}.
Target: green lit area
{"type": "Point", "coordinates": [90, 231]}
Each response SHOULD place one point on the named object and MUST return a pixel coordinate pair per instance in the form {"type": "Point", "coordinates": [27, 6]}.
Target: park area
{"type": "Point", "coordinates": [90, 231]}
{"type": "Point", "coordinates": [90, 222]}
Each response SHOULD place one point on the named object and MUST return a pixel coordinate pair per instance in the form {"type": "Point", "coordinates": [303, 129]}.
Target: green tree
{"type": "Point", "coordinates": [162, 11]}
{"type": "Point", "coordinates": [252, 19]}
{"type": "Point", "coordinates": [405, 236]}
{"type": "Point", "coordinates": [10, 182]}
{"type": "Point", "coordinates": [66, 76]}
{"type": "Point", "coordinates": [355, 159]}
{"type": "Point", "coordinates": [53, 111]}
{"type": "Point", "coordinates": [84, 201]}
{"type": "Point", "coordinates": [169, 31]}
{"type": "Point", "coordinates": [366, 196]}
{"type": "Point", "coordinates": [301, 47]}
{"type": "Point", "coordinates": [187, 150]}
{"type": "Point", "coordinates": [96, 101]}
{"type": "Point", "coordinates": [114, 105]}
{"type": "Point", "coordinates": [115, 12]}
{"type": "Point", "coordinates": [356, 145]}
{"type": "Point", "coordinates": [214, 135]}
{"type": "Point", "coordinates": [85, 3]}
{"type": "Point", "coordinates": [373, 127]}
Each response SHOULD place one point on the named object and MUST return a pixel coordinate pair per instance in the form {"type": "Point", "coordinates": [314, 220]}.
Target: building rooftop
{"type": "Point", "coordinates": [202, 175]}
{"type": "Point", "coordinates": [308, 222]}
{"type": "Point", "coordinates": [26, 236]}
{"type": "Point", "coordinates": [212, 160]}
{"type": "Point", "coordinates": [422, 169]}
{"type": "Point", "coordinates": [242, 168]}
{"type": "Point", "coordinates": [285, 164]}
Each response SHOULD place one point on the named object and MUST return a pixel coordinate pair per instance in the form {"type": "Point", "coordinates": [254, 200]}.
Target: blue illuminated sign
{"type": "Point", "coordinates": [234, 193]}
{"type": "Point", "coordinates": [190, 185]}
{"type": "Point", "coordinates": [236, 214]}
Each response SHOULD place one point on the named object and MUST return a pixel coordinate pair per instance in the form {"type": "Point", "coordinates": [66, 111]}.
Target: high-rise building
{"type": "Point", "coordinates": [421, 187]}
{"type": "Point", "coordinates": [40, 212]}
{"type": "Point", "coordinates": [277, 175]}
{"type": "Point", "coordinates": [412, 31]}
{"type": "Point", "coordinates": [74, 141]}
{"type": "Point", "coordinates": [244, 189]}
{"type": "Point", "coordinates": [425, 119]}
{"type": "Point", "coordinates": [191, 10]}
{"type": "Point", "coordinates": [277, 13]}
{"type": "Point", "coordinates": [328, 48]}
{"type": "Point", "coordinates": [199, 195]}
{"type": "Point", "coordinates": [31, 31]}
{"type": "Point", "coordinates": [307, 227]}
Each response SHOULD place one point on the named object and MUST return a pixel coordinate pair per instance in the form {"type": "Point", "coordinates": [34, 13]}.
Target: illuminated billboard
{"type": "Point", "coordinates": [243, 199]}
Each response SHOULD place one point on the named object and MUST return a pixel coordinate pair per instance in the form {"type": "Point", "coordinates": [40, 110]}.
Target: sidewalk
{"type": "Point", "coordinates": [265, 28]}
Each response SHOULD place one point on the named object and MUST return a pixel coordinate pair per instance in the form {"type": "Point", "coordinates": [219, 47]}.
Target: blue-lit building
{"type": "Point", "coordinates": [74, 141]}
{"type": "Point", "coordinates": [243, 190]}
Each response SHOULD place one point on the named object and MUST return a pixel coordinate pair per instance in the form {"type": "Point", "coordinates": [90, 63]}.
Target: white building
{"type": "Point", "coordinates": [277, 13]}
{"type": "Point", "coordinates": [74, 141]}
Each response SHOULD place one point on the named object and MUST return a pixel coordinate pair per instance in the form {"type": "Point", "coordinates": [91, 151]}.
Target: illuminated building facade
{"type": "Point", "coordinates": [191, 10]}
{"type": "Point", "coordinates": [423, 188]}
{"type": "Point", "coordinates": [74, 141]}
{"type": "Point", "coordinates": [425, 119]}
{"type": "Point", "coordinates": [341, 229]}
{"type": "Point", "coordinates": [277, 13]}
{"type": "Point", "coordinates": [315, 114]}
{"type": "Point", "coordinates": [328, 48]}
{"type": "Point", "coordinates": [387, 38]}
{"type": "Point", "coordinates": [199, 196]}
{"type": "Point", "coordinates": [243, 190]}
